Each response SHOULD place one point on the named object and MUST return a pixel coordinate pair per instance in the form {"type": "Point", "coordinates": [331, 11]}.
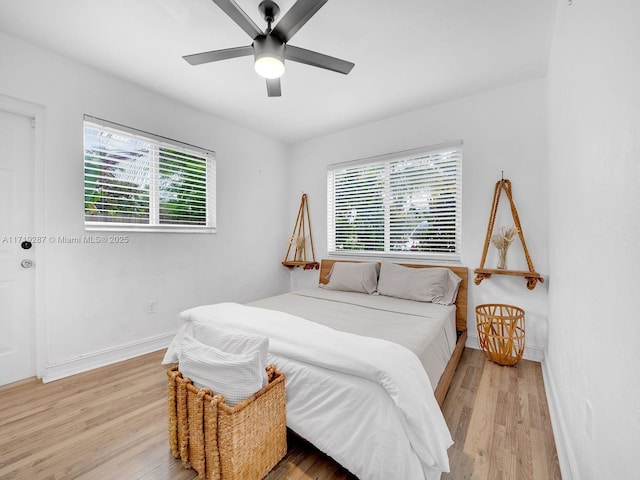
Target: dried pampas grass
{"type": "Point", "coordinates": [501, 241]}
{"type": "Point", "coordinates": [505, 237]}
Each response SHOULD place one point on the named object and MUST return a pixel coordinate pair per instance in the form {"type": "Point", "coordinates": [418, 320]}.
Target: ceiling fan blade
{"type": "Point", "coordinates": [236, 14]}
{"type": "Point", "coordinates": [296, 17]}
{"type": "Point", "coordinates": [273, 87]}
{"type": "Point", "coordinates": [216, 55]}
{"type": "Point", "coordinates": [309, 57]}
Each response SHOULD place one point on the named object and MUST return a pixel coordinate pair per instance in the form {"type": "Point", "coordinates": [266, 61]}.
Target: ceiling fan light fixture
{"type": "Point", "coordinates": [269, 67]}
{"type": "Point", "coordinates": [269, 56]}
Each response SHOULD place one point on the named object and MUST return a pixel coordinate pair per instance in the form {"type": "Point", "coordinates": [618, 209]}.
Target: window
{"type": "Point", "coordinates": [404, 204]}
{"type": "Point", "coordinates": [134, 180]}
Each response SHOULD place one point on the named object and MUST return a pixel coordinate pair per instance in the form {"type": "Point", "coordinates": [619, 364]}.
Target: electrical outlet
{"type": "Point", "coordinates": [151, 306]}
{"type": "Point", "coordinates": [588, 417]}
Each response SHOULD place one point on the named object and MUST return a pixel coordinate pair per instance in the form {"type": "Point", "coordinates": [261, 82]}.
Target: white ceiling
{"type": "Point", "coordinates": [408, 54]}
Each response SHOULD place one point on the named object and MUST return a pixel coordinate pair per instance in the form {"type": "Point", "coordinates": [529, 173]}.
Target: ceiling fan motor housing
{"type": "Point", "coordinates": [268, 45]}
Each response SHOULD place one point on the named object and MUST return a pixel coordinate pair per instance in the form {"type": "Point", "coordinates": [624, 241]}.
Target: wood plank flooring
{"type": "Point", "coordinates": [499, 420]}
{"type": "Point", "coordinates": [111, 423]}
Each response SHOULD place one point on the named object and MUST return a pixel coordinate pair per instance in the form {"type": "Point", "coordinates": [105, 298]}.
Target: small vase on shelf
{"type": "Point", "coordinates": [502, 241]}
{"type": "Point", "coordinates": [502, 258]}
{"type": "Point", "coordinates": [301, 242]}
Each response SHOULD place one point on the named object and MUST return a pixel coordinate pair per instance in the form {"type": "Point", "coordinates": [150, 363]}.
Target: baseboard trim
{"type": "Point", "coordinates": [566, 457]}
{"type": "Point", "coordinates": [102, 358]}
{"type": "Point", "coordinates": [533, 353]}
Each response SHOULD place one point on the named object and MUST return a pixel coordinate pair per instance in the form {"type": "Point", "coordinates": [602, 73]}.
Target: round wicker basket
{"type": "Point", "coordinates": [501, 332]}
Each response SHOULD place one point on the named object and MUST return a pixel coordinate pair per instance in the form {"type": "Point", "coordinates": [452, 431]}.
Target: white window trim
{"type": "Point", "coordinates": [154, 225]}
{"type": "Point", "coordinates": [454, 257]}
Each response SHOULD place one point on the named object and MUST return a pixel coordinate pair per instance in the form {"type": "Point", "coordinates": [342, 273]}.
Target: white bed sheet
{"type": "Point", "coordinates": [427, 329]}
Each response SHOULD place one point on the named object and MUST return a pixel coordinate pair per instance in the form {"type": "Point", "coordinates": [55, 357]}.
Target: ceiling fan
{"type": "Point", "coordinates": [270, 48]}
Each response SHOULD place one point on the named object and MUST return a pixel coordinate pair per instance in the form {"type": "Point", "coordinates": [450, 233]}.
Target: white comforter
{"type": "Point", "coordinates": [366, 402]}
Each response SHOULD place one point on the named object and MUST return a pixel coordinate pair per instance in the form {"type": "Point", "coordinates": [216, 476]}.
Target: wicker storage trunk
{"type": "Point", "coordinates": [220, 442]}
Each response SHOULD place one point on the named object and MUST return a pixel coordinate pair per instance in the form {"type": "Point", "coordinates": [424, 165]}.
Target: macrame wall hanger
{"type": "Point", "coordinates": [481, 273]}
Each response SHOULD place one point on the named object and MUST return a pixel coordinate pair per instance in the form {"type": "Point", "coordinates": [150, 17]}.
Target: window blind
{"type": "Point", "coordinates": [139, 181]}
{"type": "Point", "coordinates": [404, 204]}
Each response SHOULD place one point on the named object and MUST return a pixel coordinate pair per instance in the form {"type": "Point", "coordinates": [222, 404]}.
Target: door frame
{"type": "Point", "coordinates": [35, 112]}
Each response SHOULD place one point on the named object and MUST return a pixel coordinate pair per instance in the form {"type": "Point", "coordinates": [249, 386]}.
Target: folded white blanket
{"type": "Point", "coordinates": [389, 365]}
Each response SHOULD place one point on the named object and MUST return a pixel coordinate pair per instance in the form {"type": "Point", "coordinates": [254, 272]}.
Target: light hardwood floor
{"type": "Point", "coordinates": [111, 423]}
{"type": "Point", "coordinates": [499, 420]}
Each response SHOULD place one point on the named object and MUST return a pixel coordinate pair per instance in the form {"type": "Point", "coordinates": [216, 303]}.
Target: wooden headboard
{"type": "Point", "coordinates": [461, 300]}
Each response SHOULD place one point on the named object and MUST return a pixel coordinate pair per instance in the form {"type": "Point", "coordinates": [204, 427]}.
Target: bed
{"type": "Point", "coordinates": [443, 380]}
{"type": "Point", "coordinates": [366, 373]}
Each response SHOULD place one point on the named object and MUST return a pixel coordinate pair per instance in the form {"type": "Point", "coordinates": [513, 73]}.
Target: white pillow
{"type": "Point", "coordinates": [236, 376]}
{"type": "Point", "coordinates": [436, 285]}
{"type": "Point", "coordinates": [215, 337]}
{"type": "Point", "coordinates": [231, 342]}
{"type": "Point", "coordinates": [359, 277]}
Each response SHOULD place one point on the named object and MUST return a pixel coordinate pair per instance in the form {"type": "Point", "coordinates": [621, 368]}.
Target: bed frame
{"type": "Point", "coordinates": [461, 318]}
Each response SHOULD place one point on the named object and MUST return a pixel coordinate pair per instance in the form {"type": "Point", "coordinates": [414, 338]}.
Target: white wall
{"type": "Point", "coordinates": [594, 239]}
{"type": "Point", "coordinates": [504, 129]}
{"type": "Point", "coordinates": [93, 300]}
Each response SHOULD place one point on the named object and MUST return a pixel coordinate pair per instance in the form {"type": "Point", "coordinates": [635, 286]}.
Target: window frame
{"type": "Point", "coordinates": [387, 160]}
{"type": "Point", "coordinates": [158, 143]}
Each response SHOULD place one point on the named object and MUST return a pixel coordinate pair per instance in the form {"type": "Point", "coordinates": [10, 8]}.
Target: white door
{"type": "Point", "coordinates": [17, 338]}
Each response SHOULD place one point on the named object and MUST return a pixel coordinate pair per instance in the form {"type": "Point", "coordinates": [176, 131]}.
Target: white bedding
{"type": "Point", "coordinates": [366, 402]}
{"type": "Point", "coordinates": [427, 329]}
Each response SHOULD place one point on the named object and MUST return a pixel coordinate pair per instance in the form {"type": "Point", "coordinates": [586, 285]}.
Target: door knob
{"type": "Point", "coordinates": [26, 263]}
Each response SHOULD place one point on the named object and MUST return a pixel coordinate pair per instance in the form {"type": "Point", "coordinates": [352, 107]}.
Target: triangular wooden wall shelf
{"type": "Point", "coordinates": [299, 239]}
{"type": "Point", "coordinates": [481, 273]}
